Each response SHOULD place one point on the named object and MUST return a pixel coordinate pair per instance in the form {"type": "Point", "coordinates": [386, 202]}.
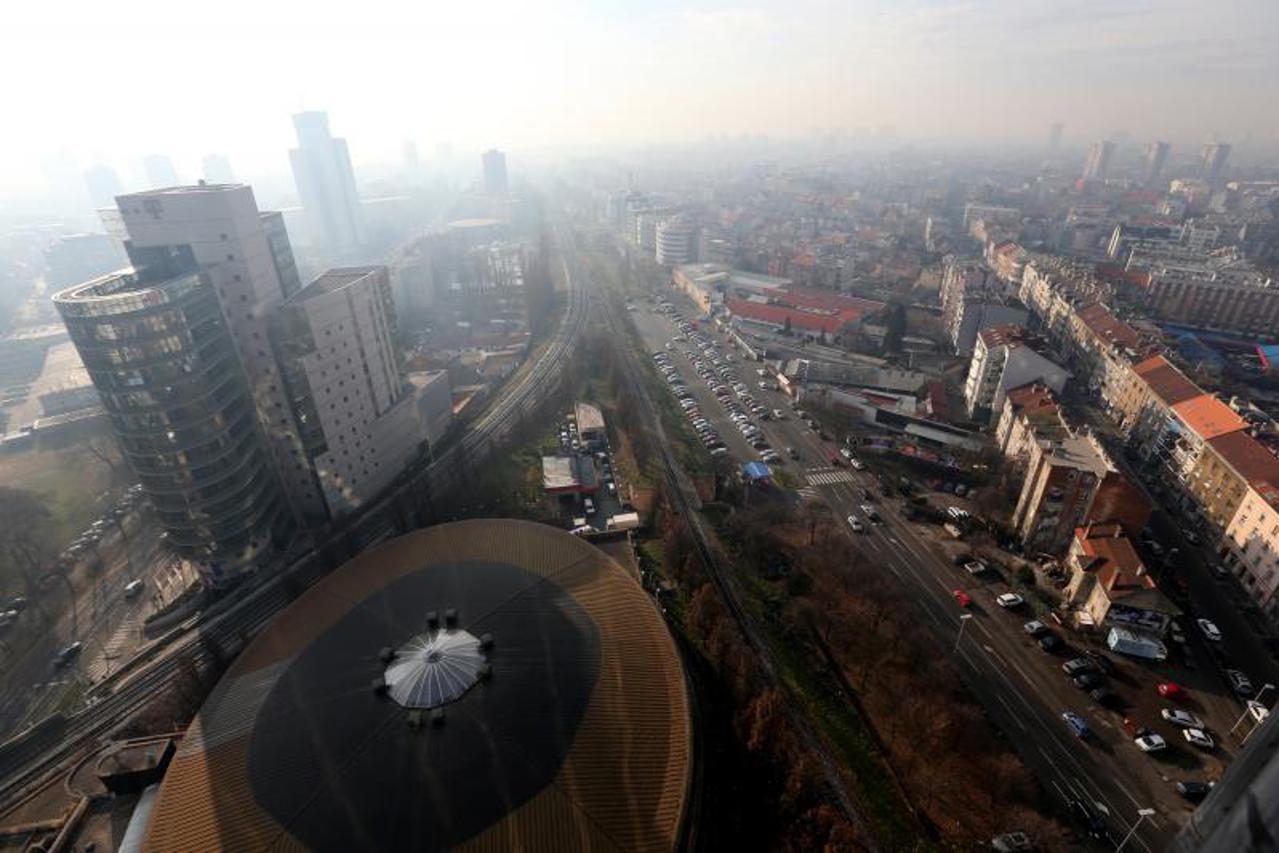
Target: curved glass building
{"type": "Point", "coordinates": [157, 346]}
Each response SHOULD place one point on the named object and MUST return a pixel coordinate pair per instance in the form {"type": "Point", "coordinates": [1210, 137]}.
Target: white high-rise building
{"type": "Point", "coordinates": [359, 418]}
{"type": "Point", "coordinates": [219, 228]}
{"type": "Point", "coordinates": [326, 184]}
{"type": "Point", "coordinates": [676, 241]}
{"type": "Point", "coordinates": [1098, 161]}
{"type": "Point", "coordinates": [160, 171]}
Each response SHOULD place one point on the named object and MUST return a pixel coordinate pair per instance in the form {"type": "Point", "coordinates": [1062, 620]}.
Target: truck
{"type": "Point", "coordinates": [1136, 645]}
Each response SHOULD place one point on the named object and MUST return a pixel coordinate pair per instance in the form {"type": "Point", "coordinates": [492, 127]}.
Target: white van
{"type": "Point", "coordinates": [589, 505]}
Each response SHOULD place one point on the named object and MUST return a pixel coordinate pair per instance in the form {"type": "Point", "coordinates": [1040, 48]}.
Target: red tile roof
{"type": "Point", "coordinates": [1249, 457]}
{"type": "Point", "coordinates": [1107, 327]}
{"type": "Point", "coordinates": [1165, 381]}
{"type": "Point", "coordinates": [806, 320]}
{"type": "Point", "coordinates": [1208, 416]}
{"type": "Point", "coordinates": [1006, 334]}
{"type": "Point", "coordinates": [1033, 399]}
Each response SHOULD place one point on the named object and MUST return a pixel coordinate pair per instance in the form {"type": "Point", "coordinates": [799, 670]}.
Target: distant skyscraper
{"type": "Point", "coordinates": [1054, 136]}
{"type": "Point", "coordinates": [1213, 164]}
{"type": "Point", "coordinates": [160, 171]}
{"type": "Point", "coordinates": [495, 172]}
{"type": "Point", "coordinates": [217, 169]}
{"type": "Point", "coordinates": [1153, 162]}
{"type": "Point", "coordinates": [1098, 160]}
{"type": "Point", "coordinates": [412, 160]}
{"type": "Point", "coordinates": [103, 184]}
{"type": "Point", "coordinates": [322, 172]}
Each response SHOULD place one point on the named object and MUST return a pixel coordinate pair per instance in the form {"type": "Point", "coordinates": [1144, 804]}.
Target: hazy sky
{"type": "Point", "coordinates": [115, 80]}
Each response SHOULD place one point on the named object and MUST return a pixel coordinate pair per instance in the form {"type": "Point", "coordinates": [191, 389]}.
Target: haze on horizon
{"type": "Point", "coordinates": [113, 82]}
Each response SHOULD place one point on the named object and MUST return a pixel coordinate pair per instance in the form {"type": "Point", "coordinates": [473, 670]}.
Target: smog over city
{"type": "Point", "coordinates": [793, 426]}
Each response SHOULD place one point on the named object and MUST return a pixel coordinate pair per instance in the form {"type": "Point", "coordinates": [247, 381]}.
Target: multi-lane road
{"type": "Point", "coordinates": [1022, 688]}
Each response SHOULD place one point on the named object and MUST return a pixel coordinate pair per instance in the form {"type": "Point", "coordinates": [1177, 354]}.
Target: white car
{"type": "Point", "coordinates": [1198, 737]}
{"type": "Point", "coordinates": [1184, 719]}
{"type": "Point", "coordinates": [857, 526]}
{"type": "Point", "coordinates": [857, 464]}
{"type": "Point", "coordinates": [1150, 743]}
{"type": "Point", "coordinates": [1258, 711]}
{"type": "Point", "coordinates": [1010, 600]}
{"type": "Point", "coordinates": [957, 513]}
{"type": "Point", "coordinates": [1211, 631]}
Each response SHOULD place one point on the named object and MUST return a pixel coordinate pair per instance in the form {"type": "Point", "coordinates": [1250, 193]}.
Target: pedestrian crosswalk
{"type": "Point", "coordinates": [827, 476]}
{"type": "Point", "coordinates": [108, 659]}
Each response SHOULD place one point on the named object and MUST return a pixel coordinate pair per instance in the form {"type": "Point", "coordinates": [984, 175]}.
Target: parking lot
{"type": "Point", "coordinates": [1118, 767]}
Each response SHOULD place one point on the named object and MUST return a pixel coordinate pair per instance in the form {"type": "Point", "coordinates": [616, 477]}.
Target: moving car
{"type": "Point", "coordinates": [1076, 724]}
{"type": "Point", "coordinates": [1051, 643]}
{"type": "Point", "coordinates": [67, 654]}
{"type": "Point", "coordinates": [857, 526]}
{"type": "Point", "coordinates": [1078, 666]}
{"type": "Point", "coordinates": [1210, 631]}
{"type": "Point", "coordinates": [1088, 818]}
{"type": "Point", "coordinates": [1089, 680]}
{"type": "Point", "coordinates": [1171, 690]}
{"type": "Point", "coordinates": [1035, 628]}
{"type": "Point", "coordinates": [962, 597]}
{"type": "Point", "coordinates": [1010, 600]}
{"type": "Point", "coordinates": [134, 588]}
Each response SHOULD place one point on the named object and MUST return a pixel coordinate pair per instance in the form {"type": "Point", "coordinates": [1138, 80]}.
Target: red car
{"type": "Point", "coordinates": [1171, 690]}
{"type": "Point", "coordinates": [962, 597]}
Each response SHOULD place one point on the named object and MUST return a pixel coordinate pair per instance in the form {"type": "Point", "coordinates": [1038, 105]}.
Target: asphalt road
{"type": "Point", "coordinates": [1023, 689]}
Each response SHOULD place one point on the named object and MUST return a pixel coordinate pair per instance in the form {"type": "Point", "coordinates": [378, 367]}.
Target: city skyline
{"type": "Point", "coordinates": [910, 67]}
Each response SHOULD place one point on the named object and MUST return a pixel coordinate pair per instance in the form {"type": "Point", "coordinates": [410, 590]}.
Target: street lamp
{"type": "Point", "coordinates": [1248, 710]}
{"type": "Point", "coordinates": [1142, 814]}
{"type": "Point", "coordinates": [963, 620]}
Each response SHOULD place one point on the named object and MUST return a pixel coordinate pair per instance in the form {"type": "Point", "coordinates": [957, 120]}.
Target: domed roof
{"type": "Point", "coordinates": [483, 685]}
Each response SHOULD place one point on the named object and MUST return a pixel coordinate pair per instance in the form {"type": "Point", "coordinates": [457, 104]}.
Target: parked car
{"type": "Point", "coordinates": [1078, 666]}
{"type": "Point", "coordinates": [1051, 643]}
{"type": "Point", "coordinates": [67, 654]}
{"type": "Point", "coordinates": [1198, 737]}
{"type": "Point", "coordinates": [1192, 790]}
{"type": "Point", "coordinates": [1183, 719]}
{"type": "Point", "coordinates": [134, 588]}
{"type": "Point", "coordinates": [1219, 571]}
{"type": "Point", "coordinates": [1150, 742]}
{"type": "Point", "coordinates": [1239, 683]}
{"type": "Point", "coordinates": [1090, 680]}
{"type": "Point", "coordinates": [856, 525]}
{"type": "Point", "coordinates": [1171, 690]}
{"type": "Point", "coordinates": [1035, 628]}
{"type": "Point", "coordinates": [1010, 600]}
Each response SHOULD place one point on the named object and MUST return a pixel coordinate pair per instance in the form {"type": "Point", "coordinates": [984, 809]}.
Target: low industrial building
{"type": "Point", "coordinates": [569, 475]}
{"type": "Point", "coordinates": [590, 426]}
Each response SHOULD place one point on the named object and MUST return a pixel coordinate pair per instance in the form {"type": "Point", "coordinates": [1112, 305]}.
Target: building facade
{"type": "Point", "coordinates": [676, 241]}
{"type": "Point", "coordinates": [358, 419]}
{"type": "Point", "coordinates": [162, 357]}
{"type": "Point", "coordinates": [495, 179]}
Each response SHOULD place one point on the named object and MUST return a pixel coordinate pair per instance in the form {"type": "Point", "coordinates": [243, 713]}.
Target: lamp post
{"type": "Point", "coordinates": [1142, 814]}
{"type": "Point", "coordinates": [963, 620]}
{"type": "Point", "coordinates": [1248, 710]}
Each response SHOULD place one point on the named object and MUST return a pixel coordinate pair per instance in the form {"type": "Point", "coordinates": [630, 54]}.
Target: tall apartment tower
{"type": "Point", "coordinates": [358, 418]}
{"type": "Point", "coordinates": [160, 171]}
{"type": "Point", "coordinates": [1213, 162]}
{"type": "Point", "coordinates": [247, 255]}
{"type": "Point", "coordinates": [102, 183]}
{"type": "Point", "coordinates": [1098, 160]}
{"type": "Point", "coordinates": [495, 182]}
{"type": "Point", "coordinates": [1152, 164]}
{"type": "Point", "coordinates": [326, 184]}
{"type": "Point", "coordinates": [217, 169]}
{"type": "Point", "coordinates": [160, 353]}
{"type": "Point", "coordinates": [1054, 136]}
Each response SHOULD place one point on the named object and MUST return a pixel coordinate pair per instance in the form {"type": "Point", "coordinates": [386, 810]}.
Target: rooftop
{"type": "Point", "coordinates": [1165, 381]}
{"type": "Point", "coordinates": [1248, 457]}
{"type": "Point", "coordinates": [1005, 334]}
{"type": "Point", "coordinates": [1208, 416]}
{"type": "Point", "coordinates": [1033, 400]}
{"type": "Point", "coordinates": [334, 280]}
{"type": "Point", "coordinates": [1109, 328]}
{"type": "Point", "coordinates": [576, 736]}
